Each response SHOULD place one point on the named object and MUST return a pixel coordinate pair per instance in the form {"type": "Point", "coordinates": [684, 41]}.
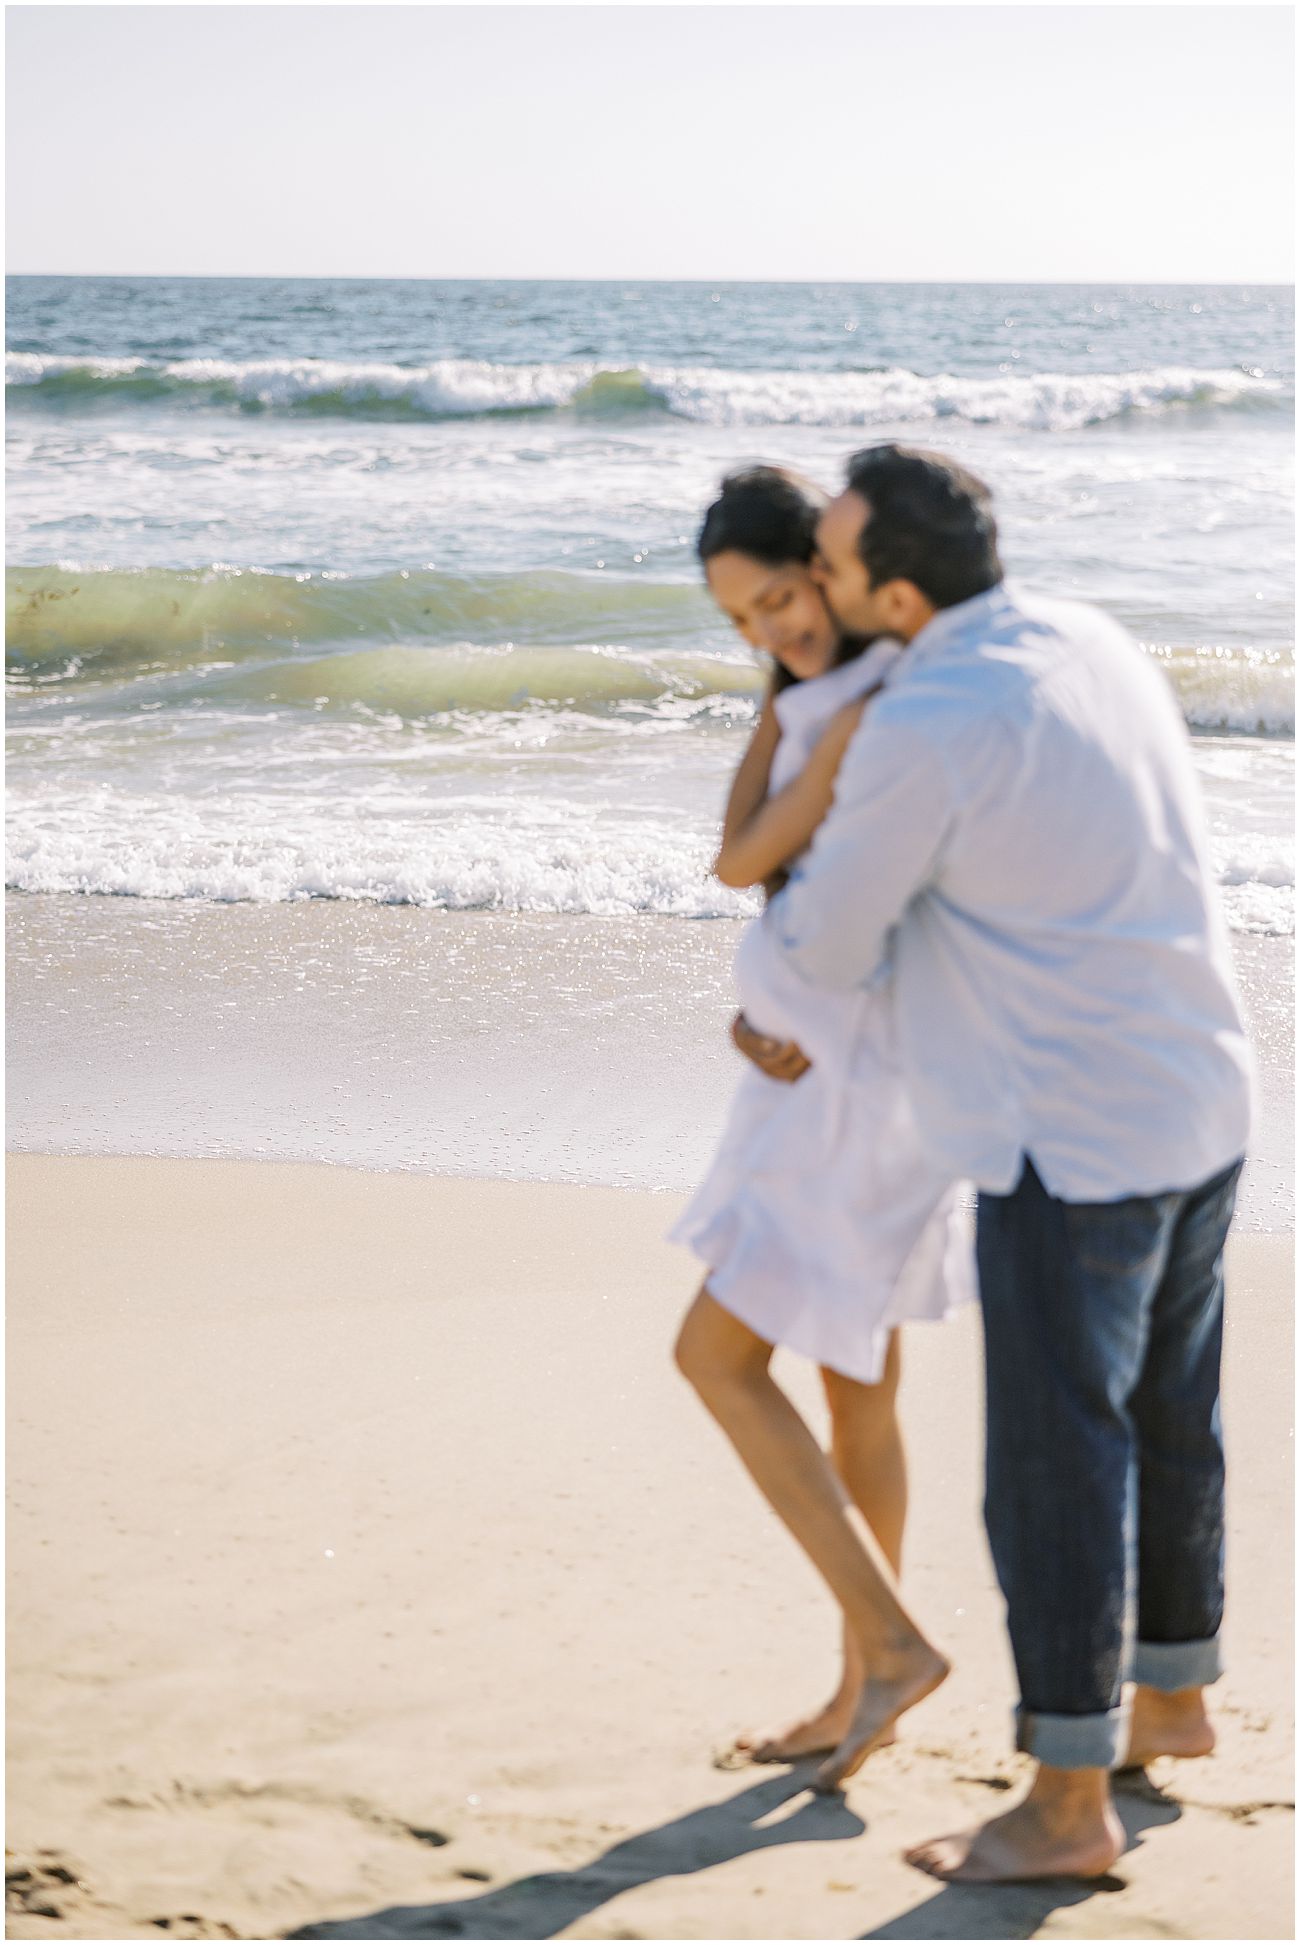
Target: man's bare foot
{"type": "Point", "coordinates": [1167, 1724]}
{"type": "Point", "coordinates": [1045, 1836]}
{"type": "Point", "coordinates": [883, 1698]}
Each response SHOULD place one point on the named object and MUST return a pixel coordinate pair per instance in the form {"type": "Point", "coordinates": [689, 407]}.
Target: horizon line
{"type": "Point", "coordinates": [867, 283]}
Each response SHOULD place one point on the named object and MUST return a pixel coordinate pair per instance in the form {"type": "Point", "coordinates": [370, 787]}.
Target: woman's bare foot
{"type": "Point", "coordinates": [815, 1735]}
{"type": "Point", "coordinates": [1167, 1724]}
{"type": "Point", "coordinates": [888, 1691]}
{"type": "Point", "coordinates": [1056, 1832]}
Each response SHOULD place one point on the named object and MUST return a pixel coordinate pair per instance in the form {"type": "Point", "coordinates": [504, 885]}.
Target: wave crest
{"type": "Point", "coordinates": [467, 388]}
{"type": "Point", "coordinates": [128, 613]}
{"type": "Point", "coordinates": [425, 642]}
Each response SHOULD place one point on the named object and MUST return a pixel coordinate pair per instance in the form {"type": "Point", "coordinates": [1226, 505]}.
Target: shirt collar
{"type": "Point", "coordinates": [944, 627]}
{"type": "Point", "coordinates": [820, 695]}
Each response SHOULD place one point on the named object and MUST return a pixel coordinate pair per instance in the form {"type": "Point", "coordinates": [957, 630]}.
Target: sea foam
{"type": "Point", "coordinates": [270, 851]}
{"type": "Point", "coordinates": [459, 388]}
{"type": "Point", "coordinates": [563, 858]}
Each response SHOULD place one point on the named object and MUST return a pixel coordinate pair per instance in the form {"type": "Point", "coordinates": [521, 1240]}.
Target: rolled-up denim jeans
{"type": "Point", "coordinates": [1103, 1327]}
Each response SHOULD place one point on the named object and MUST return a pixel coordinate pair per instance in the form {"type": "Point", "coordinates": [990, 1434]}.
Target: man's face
{"type": "Point", "coordinates": [838, 570]}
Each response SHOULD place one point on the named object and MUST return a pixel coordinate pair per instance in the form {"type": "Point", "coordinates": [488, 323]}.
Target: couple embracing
{"type": "Point", "coordinates": [990, 956]}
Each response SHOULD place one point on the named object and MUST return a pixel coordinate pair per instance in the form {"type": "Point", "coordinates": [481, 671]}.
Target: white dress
{"type": "Point", "coordinates": [821, 1219]}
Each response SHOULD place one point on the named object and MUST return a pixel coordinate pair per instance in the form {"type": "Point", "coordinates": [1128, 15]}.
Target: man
{"type": "Point", "coordinates": [1016, 841]}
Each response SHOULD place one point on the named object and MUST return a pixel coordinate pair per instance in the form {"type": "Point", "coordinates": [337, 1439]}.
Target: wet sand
{"type": "Point", "coordinates": [516, 1046]}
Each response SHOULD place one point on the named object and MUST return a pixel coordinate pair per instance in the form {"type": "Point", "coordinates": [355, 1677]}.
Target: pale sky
{"type": "Point", "coordinates": [873, 143]}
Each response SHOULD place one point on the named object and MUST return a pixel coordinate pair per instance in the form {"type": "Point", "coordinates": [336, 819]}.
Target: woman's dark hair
{"type": "Point", "coordinates": [931, 523]}
{"type": "Point", "coordinates": [770, 515]}
{"type": "Point", "coordinates": [764, 512]}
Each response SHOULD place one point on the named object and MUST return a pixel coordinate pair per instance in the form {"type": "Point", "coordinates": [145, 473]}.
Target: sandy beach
{"type": "Point", "coordinates": [374, 1575]}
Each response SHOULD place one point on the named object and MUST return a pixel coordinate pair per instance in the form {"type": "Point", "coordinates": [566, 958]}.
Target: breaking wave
{"type": "Point", "coordinates": [129, 613]}
{"type": "Point", "coordinates": [466, 388]}
{"type": "Point", "coordinates": [427, 641]}
{"type": "Point", "coordinates": [246, 847]}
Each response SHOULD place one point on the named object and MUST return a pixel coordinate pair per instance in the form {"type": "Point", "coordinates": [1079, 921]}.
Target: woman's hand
{"type": "Point", "coordinates": [779, 1060]}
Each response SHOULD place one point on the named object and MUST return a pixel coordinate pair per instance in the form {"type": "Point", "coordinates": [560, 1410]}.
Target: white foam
{"type": "Point", "coordinates": [271, 851]}
{"type": "Point", "coordinates": [467, 856]}
{"type": "Point", "coordinates": [1047, 401]}
{"type": "Point", "coordinates": [449, 387]}
{"type": "Point", "coordinates": [31, 367]}
{"type": "Point", "coordinates": [1256, 874]}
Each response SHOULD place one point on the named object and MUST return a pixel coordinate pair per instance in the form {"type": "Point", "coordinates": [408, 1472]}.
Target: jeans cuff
{"type": "Point", "coordinates": [1170, 1665]}
{"type": "Point", "coordinates": [1074, 1741]}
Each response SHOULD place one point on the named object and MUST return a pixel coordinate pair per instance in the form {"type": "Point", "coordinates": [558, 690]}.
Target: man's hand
{"type": "Point", "coordinates": [779, 1060]}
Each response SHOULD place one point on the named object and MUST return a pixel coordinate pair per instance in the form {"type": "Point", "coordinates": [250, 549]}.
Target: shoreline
{"type": "Point", "coordinates": [476, 1045]}
{"type": "Point", "coordinates": [300, 1639]}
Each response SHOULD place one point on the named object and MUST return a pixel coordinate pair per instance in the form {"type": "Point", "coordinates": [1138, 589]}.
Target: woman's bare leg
{"type": "Point", "coordinates": [728, 1366]}
{"type": "Point", "coordinates": [867, 1449]}
{"type": "Point", "coordinates": [867, 1453]}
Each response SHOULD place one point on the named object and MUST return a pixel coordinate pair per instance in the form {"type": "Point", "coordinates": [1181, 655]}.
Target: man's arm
{"type": "Point", "coordinates": [880, 844]}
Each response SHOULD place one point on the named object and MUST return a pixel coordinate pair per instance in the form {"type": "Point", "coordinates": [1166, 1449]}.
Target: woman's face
{"type": "Point", "coordinates": [777, 609]}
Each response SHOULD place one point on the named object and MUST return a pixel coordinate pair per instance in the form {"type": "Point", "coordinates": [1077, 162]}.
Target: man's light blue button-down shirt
{"type": "Point", "coordinates": [1016, 845]}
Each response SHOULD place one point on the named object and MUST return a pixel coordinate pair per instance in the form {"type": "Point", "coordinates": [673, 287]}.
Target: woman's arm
{"type": "Point", "coordinates": [749, 785]}
{"type": "Point", "coordinates": [759, 841]}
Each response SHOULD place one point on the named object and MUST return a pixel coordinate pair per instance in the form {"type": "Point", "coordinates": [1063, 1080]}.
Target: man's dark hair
{"type": "Point", "coordinates": [931, 523]}
{"type": "Point", "coordinates": [764, 512]}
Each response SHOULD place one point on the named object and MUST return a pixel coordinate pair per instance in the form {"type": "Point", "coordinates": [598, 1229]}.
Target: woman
{"type": "Point", "coordinates": [822, 1222]}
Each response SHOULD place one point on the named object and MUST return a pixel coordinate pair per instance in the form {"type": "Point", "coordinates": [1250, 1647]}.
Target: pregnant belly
{"type": "Point", "coordinates": [777, 1002]}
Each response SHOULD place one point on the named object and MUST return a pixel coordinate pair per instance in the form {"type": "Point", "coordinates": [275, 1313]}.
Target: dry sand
{"type": "Point", "coordinates": [373, 1571]}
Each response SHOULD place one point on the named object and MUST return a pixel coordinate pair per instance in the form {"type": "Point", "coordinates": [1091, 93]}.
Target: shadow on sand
{"type": "Point", "coordinates": [1020, 1910]}
{"type": "Point", "coordinates": [541, 1906]}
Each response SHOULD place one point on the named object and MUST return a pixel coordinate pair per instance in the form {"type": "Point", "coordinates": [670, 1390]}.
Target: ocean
{"type": "Point", "coordinates": [369, 727]}
{"type": "Point", "coordinates": [386, 591]}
